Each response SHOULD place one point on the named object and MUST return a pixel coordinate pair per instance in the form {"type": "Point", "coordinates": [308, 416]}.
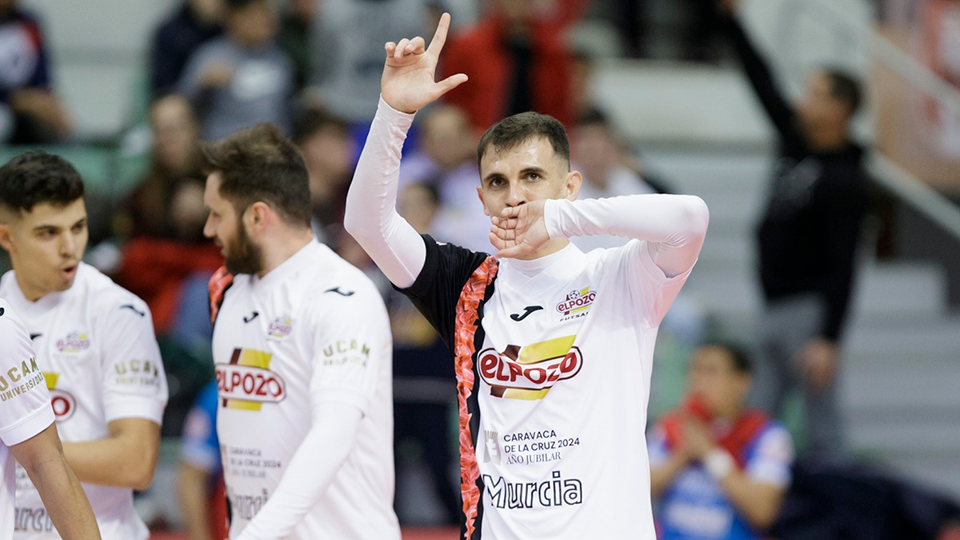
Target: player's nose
{"type": "Point", "coordinates": [515, 195]}
{"type": "Point", "coordinates": [209, 230]}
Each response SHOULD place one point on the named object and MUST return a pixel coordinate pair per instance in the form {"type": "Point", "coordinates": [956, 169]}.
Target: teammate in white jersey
{"type": "Point", "coordinates": [94, 342]}
{"type": "Point", "coordinates": [27, 433]}
{"type": "Point", "coordinates": [302, 347]}
{"type": "Point", "coordinates": [553, 347]}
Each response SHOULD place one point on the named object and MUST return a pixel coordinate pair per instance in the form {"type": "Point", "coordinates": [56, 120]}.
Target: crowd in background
{"type": "Point", "coordinates": [312, 67]}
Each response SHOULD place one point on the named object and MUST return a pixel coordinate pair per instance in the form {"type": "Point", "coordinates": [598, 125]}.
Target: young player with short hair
{"type": "Point", "coordinates": [553, 347]}
{"type": "Point", "coordinates": [95, 344]}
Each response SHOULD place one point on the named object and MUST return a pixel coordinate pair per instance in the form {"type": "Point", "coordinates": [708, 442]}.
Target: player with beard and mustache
{"type": "Point", "coordinates": [302, 349]}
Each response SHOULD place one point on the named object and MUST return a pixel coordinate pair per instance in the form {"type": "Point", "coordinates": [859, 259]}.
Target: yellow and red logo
{"type": "Point", "coordinates": [577, 301]}
{"type": "Point", "coordinates": [530, 372]}
{"type": "Point", "coordinates": [247, 383]}
{"type": "Point", "coordinates": [64, 404]}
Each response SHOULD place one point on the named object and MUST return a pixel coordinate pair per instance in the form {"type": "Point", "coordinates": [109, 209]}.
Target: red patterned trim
{"type": "Point", "coordinates": [218, 284]}
{"type": "Point", "coordinates": [466, 327]}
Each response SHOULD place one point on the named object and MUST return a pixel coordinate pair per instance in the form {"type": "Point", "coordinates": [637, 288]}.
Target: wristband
{"type": "Point", "coordinates": [718, 463]}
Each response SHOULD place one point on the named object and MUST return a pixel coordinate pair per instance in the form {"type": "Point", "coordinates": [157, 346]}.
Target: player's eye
{"type": "Point", "coordinates": [496, 182]}
{"type": "Point", "coordinates": [47, 234]}
{"type": "Point", "coordinates": [533, 177]}
{"type": "Point", "coordinates": [79, 227]}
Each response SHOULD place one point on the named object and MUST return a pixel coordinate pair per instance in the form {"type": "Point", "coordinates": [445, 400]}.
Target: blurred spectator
{"type": "Point", "coordinates": [423, 372]}
{"type": "Point", "coordinates": [608, 170]}
{"type": "Point", "coordinates": [347, 50]}
{"type": "Point", "coordinates": [327, 148]}
{"type": "Point", "coordinates": [517, 61]}
{"type": "Point", "coordinates": [295, 29]}
{"type": "Point", "coordinates": [719, 469]}
{"type": "Point", "coordinates": [807, 238]}
{"type": "Point", "coordinates": [446, 161]}
{"type": "Point", "coordinates": [242, 78]}
{"type": "Point", "coordinates": [164, 220]}
{"type": "Point", "coordinates": [29, 110]}
{"type": "Point", "coordinates": [175, 40]}
{"type": "Point", "coordinates": [174, 160]}
{"type": "Point", "coordinates": [201, 491]}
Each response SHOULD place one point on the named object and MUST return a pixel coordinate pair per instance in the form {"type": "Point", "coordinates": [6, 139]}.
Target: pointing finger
{"type": "Point", "coordinates": [440, 37]}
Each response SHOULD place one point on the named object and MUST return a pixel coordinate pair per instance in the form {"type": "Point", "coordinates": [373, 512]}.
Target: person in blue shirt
{"type": "Point", "coordinates": [719, 469]}
{"type": "Point", "coordinates": [200, 486]}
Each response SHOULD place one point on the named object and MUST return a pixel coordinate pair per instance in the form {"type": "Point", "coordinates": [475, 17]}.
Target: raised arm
{"type": "Point", "coordinates": [757, 70]}
{"type": "Point", "coordinates": [371, 217]}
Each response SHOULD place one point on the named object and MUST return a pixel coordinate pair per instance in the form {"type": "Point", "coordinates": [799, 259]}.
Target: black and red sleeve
{"type": "Point", "coordinates": [437, 289]}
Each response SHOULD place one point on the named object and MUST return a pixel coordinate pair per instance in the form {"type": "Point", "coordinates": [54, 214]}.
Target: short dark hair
{"type": "Point", "coordinates": [37, 177]}
{"type": "Point", "coordinates": [260, 164]}
{"type": "Point", "coordinates": [845, 88]}
{"type": "Point", "coordinates": [309, 121]}
{"type": "Point", "coordinates": [522, 127]}
{"type": "Point", "coordinates": [739, 359]}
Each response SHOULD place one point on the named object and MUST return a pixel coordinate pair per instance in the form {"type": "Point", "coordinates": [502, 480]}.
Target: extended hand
{"type": "Point", "coordinates": [819, 362]}
{"type": "Point", "coordinates": [519, 231]}
{"type": "Point", "coordinates": [408, 82]}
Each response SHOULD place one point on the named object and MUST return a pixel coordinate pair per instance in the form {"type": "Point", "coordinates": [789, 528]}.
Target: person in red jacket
{"type": "Point", "coordinates": [517, 61]}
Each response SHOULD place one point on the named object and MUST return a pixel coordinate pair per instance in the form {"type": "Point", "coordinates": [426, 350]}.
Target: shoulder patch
{"type": "Point", "coordinates": [219, 283]}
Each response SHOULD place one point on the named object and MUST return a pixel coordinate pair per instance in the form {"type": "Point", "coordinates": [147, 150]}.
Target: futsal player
{"type": "Point", "coordinates": [553, 347]}
{"type": "Point", "coordinates": [95, 345]}
{"type": "Point", "coordinates": [27, 433]}
{"type": "Point", "coordinates": [302, 349]}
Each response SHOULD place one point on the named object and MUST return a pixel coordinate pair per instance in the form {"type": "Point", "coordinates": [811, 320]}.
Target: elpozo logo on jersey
{"type": "Point", "coordinates": [280, 327]}
{"type": "Point", "coordinates": [74, 342]}
{"type": "Point", "coordinates": [247, 383]}
{"type": "Point", "coordinates": [530, 372]}
{"type": "Point", "coordinates": [64, 404]}
{"type": "Point", "coordinates": [576, 302]}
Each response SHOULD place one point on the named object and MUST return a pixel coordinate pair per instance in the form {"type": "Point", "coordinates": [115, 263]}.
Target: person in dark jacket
{"type": "Point", "coordinates": [807, 237]}
{"type": "Point", "coordinates": [191, 25]}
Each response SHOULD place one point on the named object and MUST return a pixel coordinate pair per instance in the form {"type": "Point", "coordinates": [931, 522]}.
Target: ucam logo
{"type": "Point", "coordinates": [576, 301]}
{"type": "Point", "coordinates": [530, 372]}
{"type": "Point", "coordinates": [247, 382]}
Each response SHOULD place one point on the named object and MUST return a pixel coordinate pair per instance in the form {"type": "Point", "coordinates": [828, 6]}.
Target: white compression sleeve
{"type": "Point", "coordinates": [674, 226]}
{"type": "Point", "coordinates": [310, 472]}
{"type": "Point", "coordinates": [371, 214]}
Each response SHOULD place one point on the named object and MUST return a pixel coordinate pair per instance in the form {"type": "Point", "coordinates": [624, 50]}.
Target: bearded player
{"type": "Point", "coordinates": [302, 347]}
{"type": "Point", "coordinates": [94, 342]}
{"type": "Point", "coordinates": [553, 347]}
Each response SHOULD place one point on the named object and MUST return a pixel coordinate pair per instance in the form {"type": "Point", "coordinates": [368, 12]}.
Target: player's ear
{"type": "Point", "coordinates": [257, 214]}
{"type": "Point", "coordinates": [482, 203]}
{"type": "Point", "coordinates": [6, 236]}
{"type": "Point", "coordinates": [572, 184]}
{"type": "Point", "coordinates": [6, 229]}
